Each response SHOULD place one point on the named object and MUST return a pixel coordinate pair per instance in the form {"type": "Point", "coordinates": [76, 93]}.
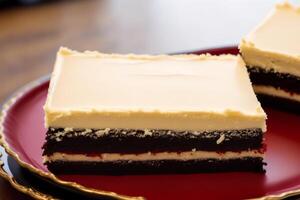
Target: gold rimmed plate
{"type": "Point", "coordinates": [23, 133]}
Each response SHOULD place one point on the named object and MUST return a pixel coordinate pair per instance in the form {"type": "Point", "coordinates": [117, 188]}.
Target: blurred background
{"type": "Point", "coordinates": [31, 31]}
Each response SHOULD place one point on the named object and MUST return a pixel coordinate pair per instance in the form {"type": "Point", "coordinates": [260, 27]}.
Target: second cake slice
{"type": "Point", "coordinates": [151, 114]}
{"type": "Point", "coordinates": [272, 54]}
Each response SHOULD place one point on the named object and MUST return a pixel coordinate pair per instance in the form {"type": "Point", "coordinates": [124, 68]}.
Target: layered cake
{"type": "Point", "coordinates": [272, 54]}
{"type": "Point", "coordinates": [124, 114]}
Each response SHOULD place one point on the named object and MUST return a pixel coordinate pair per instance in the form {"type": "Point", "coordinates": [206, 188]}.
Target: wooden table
{"type": "Point", "coordinates": [30, 36]}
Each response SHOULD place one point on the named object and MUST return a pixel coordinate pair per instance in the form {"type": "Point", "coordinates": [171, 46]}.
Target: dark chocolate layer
{"type": "Point", "coordinates": [138, 141]}
{"type": "Point", "coordinates": [284, 81]}
{"type": "Point", "coordinates": [279, 103]}
{"type": "Point", "coordinates": [157, 166]}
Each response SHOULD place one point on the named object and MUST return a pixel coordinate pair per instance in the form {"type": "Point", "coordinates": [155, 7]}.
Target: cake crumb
{"type": "Point", "coordinates": [147, 132]}
{"type": "Point", "coordinates": [59, 135]}
{"type": "Point", "coordinates": [196, 132]}
{"type": "Point", "coordinates": [221, 139]}
{"type": "Point", "coordinates": [100, 132]}
{"type": "Point", "coordinates": [86, 131]}
{"type": "Point", "coordinates": [68, 129]}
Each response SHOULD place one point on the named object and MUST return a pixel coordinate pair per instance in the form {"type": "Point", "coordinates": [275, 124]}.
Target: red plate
{"type": "Point", "coordinates": [23, 128]}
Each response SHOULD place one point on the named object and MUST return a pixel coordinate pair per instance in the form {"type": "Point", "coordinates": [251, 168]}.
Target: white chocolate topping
{"type": "Point", "coordinates": [269, 90]}
{"type": "Point", "coordinates": [183, 92]}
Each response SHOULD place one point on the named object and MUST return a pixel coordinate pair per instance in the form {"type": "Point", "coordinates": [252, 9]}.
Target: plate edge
{"type": "Point", "coordinates": [21, 188]}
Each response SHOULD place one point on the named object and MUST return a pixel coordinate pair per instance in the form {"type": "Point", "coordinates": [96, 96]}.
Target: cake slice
{"type": "Point", "coordinates": [272, 54]}
{"type": "Point", "coordinates": [124, 114]}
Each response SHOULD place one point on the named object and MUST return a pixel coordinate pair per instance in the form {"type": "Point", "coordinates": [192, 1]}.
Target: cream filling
{"type": "Point", "coordinates": [276, 92]}
{"type": "Point", "coordinates": [188, 155]}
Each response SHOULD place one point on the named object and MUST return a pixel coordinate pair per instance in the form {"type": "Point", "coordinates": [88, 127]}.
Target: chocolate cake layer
{"type": "Point", "coordinates": [157, 166]}
{"type": "Point", "coordinates": [138, 141]}
{"type": "Point", "coordinates": [283, 81]}
{"type": "Point", "coordinates": [279, 103]}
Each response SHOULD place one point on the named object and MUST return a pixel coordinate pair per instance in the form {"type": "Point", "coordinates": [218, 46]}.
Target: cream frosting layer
{"type": "Point", "coordinates": [188, 155]}
{"type": "Point", "coordinates": [274, 43]}
{"type": "Point", "coordinates": [182, 92]}
{"type": "Point", "coordinates": [269, 90]}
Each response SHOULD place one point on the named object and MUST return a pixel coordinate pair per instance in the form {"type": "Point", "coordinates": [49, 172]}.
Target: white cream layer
{"type": "Point", "coordinates": [182, 92]}
{"type": "Point", "coordinates": [274, 44]}
{"type": "Point", "coordinates": [276, 92]}
{"type": "Point", "coordinates": [188, 155]}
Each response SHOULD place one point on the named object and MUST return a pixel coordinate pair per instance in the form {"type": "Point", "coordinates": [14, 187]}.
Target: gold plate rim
{"type": "Point", "coordinates": [21, 188]}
